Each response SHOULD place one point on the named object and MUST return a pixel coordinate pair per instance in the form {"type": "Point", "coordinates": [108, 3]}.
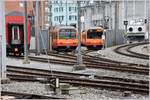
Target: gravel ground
{"type": "Point", "coordinates": [89, 93]}
{"type": "Point", "coordinates": [38, 65]}
{"type": "Point", "coordinates": [102, 72]}
{"type": "Point", "coordinates": [57, 67]}
{"type": "Point", "coordinates": [84, 94]}
{"type": "Point", "coordinates": [110, 54]}
{"type": "Point", "coordinates": [141, 49]}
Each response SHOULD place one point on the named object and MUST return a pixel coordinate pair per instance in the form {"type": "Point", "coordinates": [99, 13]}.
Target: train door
{"type": "Point", "coordinates": [16, 37]}
{"type": "Point", "coordinates": [15, 34]}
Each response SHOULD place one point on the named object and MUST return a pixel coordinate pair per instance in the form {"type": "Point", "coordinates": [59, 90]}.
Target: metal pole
{"type": "Point", "coordinates": [116, 20]}
{"type": "Point", "coordinates": [42, 6]}
{"type": "Point", "coordinates": [79, 58]}
{"type": "Point", "coordinates": [134, 9]}
{"type": "Point", "coordinates": [148, 19]}
{"type": "Point", "coordinates": [2, 40]}
{"type": "Point", "coordinates": [26, 60]}
{"type": "Point", "coordinates": [37, 29]}
{"type": "Point", "coordinates": [66, 13]}
{"type": "Point", "coordinates": [50, 23]}
{"type": "Point", "coordinates": [79, 65]}
{"type": "Point", "coordinates": [126, 13]}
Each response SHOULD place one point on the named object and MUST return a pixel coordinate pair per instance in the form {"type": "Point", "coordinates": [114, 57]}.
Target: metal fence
{"type": "Point", "coordinates": [114, 38]}
{"type": "Point", "coordinates": [44, 40]}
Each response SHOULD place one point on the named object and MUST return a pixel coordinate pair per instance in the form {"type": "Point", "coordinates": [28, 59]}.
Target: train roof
{"type": "Point", "coordinates": [95, 28]}
{"type": "Point", "coordinates": [14, 13]}
{"type": "Point", "coordinates": [63, 27]}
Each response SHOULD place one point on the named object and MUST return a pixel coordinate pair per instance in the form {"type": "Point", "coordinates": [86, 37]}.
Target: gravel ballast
{"type": "Point", "coordinates": [86, 94]}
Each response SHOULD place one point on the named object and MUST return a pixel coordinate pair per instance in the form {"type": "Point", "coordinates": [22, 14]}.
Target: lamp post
{"type": "Point", "coordinates": [79, 65]}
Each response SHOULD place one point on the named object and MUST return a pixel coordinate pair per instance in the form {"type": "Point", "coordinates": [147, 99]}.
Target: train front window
{"type": "Point", "coordinates": [15, 33]}
{"type": "Point", "coordinates": [67, 34]}
{"type": "Point", "coordinates": [73, 34]}
{"type": "Point", "coordinates": [93, 34]}
{"type": "Point", "coordinates": [62, 34]}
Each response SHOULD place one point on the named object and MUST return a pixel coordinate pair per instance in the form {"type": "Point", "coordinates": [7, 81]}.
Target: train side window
{"type": "Point", "coordinates": [15, 33]}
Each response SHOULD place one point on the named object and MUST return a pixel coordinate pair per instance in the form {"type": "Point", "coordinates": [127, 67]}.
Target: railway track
{"type": "Point", "coordinates": [16, 95]}
{"type": "Point", "coordinates": [88, 58]}
{"type": "Point", "coordinates": [96, 64]}
{"type": "Point", "coordinates": [113, 83]}
{"type": "Point", "coordinates": [126, 50]}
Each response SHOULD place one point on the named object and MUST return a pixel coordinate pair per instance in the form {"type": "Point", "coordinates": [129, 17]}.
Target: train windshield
{"type": "Point", "coordinates": [15, 33]}
{"type": "Point", "coordinates": [67, 34]}
{"type": "Point", "coordinates": [94, 34]}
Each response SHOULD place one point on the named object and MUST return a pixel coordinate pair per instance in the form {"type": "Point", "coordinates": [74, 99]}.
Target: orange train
{"type": "Point", "coordinates": [93, 38]}
{"type": "Point", "coordinates": [64, 38]}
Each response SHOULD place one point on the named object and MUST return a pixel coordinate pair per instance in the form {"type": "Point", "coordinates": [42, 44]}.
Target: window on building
{"type": "Point", "coordinates": [55, 2]}
{"type": "Point", "coordinates": [56, 9]}
{"type": "Point", "coordinates": [61, 18]}
{"type": "Point", "coordinates": [75, 9]}
{"type": "Point", "coordinates": [75, 17]}
{"type": "Point", "coordinates": [56, 18]}
{"type": "Point", "coordinates": [69, 17]}
{"type": "Point", "coordinates": [69, 8]}
{"type": "Point", "coordinates": [61, 9]}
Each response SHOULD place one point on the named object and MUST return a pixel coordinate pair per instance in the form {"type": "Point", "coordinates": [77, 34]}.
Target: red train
{"type": "Point", "coordinates": [15, 33]}
{"type": "Point", "coordinates": [64, 38]}
{"type": "Point", "coordinates": [93, 38]}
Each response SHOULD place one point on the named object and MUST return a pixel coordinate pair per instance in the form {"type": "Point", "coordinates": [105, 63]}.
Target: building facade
{"type": "Point", "coordinates": [63, 12]}
{"type": "Point", "coordinates": [111, 14]}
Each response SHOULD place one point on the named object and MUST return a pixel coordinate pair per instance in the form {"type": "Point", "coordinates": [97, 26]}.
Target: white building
{"type": "Point", "coordinates": [109, 12]}
{"type": "Point", "coordinates": [63, 12]}
{"type": "Point", "coordinates": [112, 13]}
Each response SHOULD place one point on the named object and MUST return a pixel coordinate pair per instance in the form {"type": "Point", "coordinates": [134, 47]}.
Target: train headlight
{"type": "Point", "coordinates": [130, 29]}
{"type": "Point", "coordinates": [16, 49]}
{"type": "Point", "coordinates": [103, 37]}
{"type": "Point", "coordinates": [140, 29]}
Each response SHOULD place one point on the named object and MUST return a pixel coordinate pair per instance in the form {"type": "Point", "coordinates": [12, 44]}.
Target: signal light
{"type": "Point", "coordinates": [140, 29]}
{"type": "Point", "coordinates": [130, 29]}
{"type": "Point", "coordinates": [16, 49]}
